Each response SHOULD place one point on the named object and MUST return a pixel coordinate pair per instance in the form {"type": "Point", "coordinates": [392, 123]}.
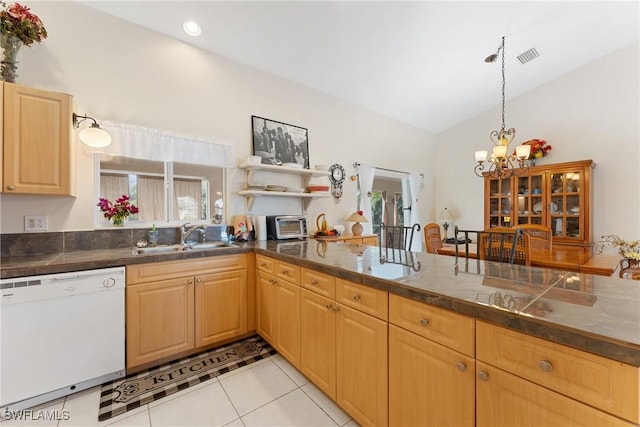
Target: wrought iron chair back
{"type": "Point", "coordinates": [397, 236]}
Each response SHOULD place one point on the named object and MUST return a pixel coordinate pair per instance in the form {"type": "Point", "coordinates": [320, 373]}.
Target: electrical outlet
{"type": "Point", "coordinates": [36, 222]}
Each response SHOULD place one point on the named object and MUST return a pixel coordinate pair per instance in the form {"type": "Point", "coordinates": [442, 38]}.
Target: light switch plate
{"type": "Point", "coordinates": [36, 223]}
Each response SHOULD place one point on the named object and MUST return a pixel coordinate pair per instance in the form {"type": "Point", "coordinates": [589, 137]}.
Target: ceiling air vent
{"type": "Point", "coordinates": [528, 56]}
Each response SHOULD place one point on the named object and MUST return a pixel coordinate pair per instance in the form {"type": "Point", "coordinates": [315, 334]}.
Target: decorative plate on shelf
{"type": "Point", "coordinates": [537, 208]}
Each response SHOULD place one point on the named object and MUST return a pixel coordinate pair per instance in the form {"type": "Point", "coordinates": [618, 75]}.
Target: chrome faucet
{"type": "Point", "coordinates": [186, 229]}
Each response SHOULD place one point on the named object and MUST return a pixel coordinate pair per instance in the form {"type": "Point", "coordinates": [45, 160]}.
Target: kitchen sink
{"type": "Point", "coordinates": [179, 248]}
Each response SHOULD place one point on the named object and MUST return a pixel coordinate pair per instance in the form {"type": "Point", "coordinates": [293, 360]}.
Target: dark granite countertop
{"type": "Point", "coordinates": [597, 314]}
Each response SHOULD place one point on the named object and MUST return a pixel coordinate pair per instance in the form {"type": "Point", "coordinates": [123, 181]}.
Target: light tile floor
{"type": "Point", "coordinates": [270, 392]}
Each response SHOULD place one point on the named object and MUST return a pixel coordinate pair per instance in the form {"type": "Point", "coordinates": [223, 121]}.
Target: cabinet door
{"type": "Point", "coordinates": [266, 306]}
{"type": "Point", "coordinates": [499, 209]}
{"type": "Point", "coordinates": [221, 306]}
{"type": "Point", "coordinates": [530, 202]}
{"type": "Point", "coordinates": [429, 384]}
{"type": "Point", "coordinates": [361, 366]}
{"type": "Point", "coordinates": [566, 208]}
{"type": "Point", "coordinates": [288, 321]}
{"type": "Point", "coordinates": [318, 341]}
{"type": "Point", "coordinates": [503, 399]}
{"type": "Point", "coordinates": [38, 145]}
{"type": "Point", "coordinates": [159, 320]}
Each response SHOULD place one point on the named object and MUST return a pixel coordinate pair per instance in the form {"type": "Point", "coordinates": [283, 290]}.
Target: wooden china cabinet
{"type": "Point", "coordinates": [556, 195]}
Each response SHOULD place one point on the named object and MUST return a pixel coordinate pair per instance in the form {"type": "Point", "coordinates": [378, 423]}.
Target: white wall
{"type": "Point", "coordinates": [121, 72]}
{"type": "Point", "coordinates": [590, 113]}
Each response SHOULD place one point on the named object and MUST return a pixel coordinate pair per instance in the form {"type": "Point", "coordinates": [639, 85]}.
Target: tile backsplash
{"type": "Point", "coordinates": [21, 244]}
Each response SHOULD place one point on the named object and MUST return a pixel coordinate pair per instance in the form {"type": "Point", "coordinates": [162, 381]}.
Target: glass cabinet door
{"type": "Point", "coordinates": [565, 205]}
{"type": "Point", "coordinates": [500, 209]}
{"type": "Point", "coordinates": [530, 199]}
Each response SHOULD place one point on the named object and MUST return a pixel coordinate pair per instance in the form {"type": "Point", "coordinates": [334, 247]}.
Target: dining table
{"type": "Point", "coordinates": [561, 258]}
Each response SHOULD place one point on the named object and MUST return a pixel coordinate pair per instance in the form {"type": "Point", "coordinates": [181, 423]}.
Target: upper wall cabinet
{"type": "Point", "coordinates": [38, 142]}
{"type": "Point", "coordinates": [556, 195]}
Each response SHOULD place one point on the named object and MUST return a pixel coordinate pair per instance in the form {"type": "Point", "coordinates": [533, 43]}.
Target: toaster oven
{"type": "Point", "coordinates": [282, 227]}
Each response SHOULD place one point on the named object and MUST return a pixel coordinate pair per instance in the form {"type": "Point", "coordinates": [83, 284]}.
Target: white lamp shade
{"type": "Point", "coordinates": [523, 151]}
{"type": "Point", "coordinates": [481, 156]}
{"type": "Point", "coordinates": [500, 151]}
{"type": "Point", "coordinates": [95, 137]}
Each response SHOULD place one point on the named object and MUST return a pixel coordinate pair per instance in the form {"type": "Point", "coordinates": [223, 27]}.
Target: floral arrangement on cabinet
{"type": "Point", "coordinates": [17, 21]}
{"type": "Point", "coordinates": [628, 250]}
{"type": "Point", "coordinates": [18, 27]}
{"type": "Point", "coordinates": [118, 211]}
{"type": "Point", "coordinates": [539, 148]}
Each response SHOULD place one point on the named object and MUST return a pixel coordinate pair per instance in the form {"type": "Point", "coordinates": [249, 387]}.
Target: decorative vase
{"type": "Point", "coordinates": [532, 162]}
{"type": "Point", "coordinates": [118, 222]}
{"type": "Point", "coordinates": [10, 48]}
{"type": "Point", "coordinates": [357, 229]}
{"type": "Point", "coordinates": [631, 271]}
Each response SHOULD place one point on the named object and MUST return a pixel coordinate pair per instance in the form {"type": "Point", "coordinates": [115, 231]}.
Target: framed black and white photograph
{"type": "Point", "coordinates": [279, 143]}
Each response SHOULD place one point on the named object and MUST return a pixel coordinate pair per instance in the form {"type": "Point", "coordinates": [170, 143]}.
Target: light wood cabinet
{"type": "Point", "coordinates": [318, 341]}
{"type": "Point", "coordinates": [278, 306]}
{"type": "Point", "coordinates": [503, 399]}
{"type": "Point", "coordinates": [343, 350]}
{"type": "Point", "coordinates": [220, 307]}
{"type": "Point", "coordinates": [180, 306]}
{"type": "Point", "coordinates": [159, 320]}
{"type": "Point", "coordinates": [431, 365]}
{"type": "Point", "coordinates": [587, 378]}
{"type": "Point", "coordinates": [361, 366]}
{"type": "Point", "coordinates": [429, 384]}
{"type": "Point", "coordinates": [39, 148]}
{"type": "Point", "coordinates": [556, 195]}
{"type": "Point", "coordinates": [365, 239]}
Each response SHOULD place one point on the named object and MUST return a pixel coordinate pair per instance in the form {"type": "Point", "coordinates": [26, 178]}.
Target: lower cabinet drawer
{"type": "Point", "coordinates": [597, 381]}
{"type": "Point", "coordinates": [319, 283]}
{"type": "Point", "coordinates": [503, 399]}
{"type": "Point", "coordinates": [445, 327]}
{"type": "Point", "coordinates": [364, 298]}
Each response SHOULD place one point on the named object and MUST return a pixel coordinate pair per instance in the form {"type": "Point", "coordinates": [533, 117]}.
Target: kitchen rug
{"type": "Point", "coordinates": [118, 397]}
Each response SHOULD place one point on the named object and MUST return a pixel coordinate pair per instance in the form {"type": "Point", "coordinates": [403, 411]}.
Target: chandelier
{"type": "Point", "coordinates": [501, 163]}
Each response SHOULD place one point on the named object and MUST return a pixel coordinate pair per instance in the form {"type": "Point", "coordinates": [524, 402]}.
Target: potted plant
{"type": "Point", "coordinates": [118, 211]}
{"type": "Point", "coordinates": [628, 250]}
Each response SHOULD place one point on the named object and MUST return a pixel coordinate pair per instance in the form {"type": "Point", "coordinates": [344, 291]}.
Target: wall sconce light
{"type": "Point", "coordinates": [93, 136]}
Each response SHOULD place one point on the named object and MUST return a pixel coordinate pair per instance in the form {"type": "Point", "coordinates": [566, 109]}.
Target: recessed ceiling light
{"type": "Point", "coordinates": [192, 28]}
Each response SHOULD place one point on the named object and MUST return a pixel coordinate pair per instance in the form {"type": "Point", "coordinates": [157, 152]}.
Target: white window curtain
{"type": "Point", "coordinates": [154, 144]}
{"type": "Point", "coordinates": [413, 217]}
{"type": "Point", "coordinates": [112, 186]}
{"type": "Point", "coordinates": [187, 200]}
{"type": "Point", "coordinates": [151, 198]}
{"type": "Point", "coordinates": [366, 174]}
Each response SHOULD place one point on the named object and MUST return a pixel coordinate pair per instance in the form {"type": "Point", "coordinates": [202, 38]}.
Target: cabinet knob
{"type": "Point", "coordinates": [11, 187]}
{"type": "Point", "coordinates": [424, 322]}
{"type": "Point", "coordinates": [199, 280]}
{"type": "Point", "coordinates": [285, 272]}
{"type": "Point", "coordinates": [461, 366]}
{"type": "Point", "coordinates": [264, 264]}
{"type": "Point", "coordinates": [483, 375]}
{"type": "Point", "coordinates": [545, 365]}
{"type": "Point", "coordinates": [314, 282]}
{"type": "Point", "coordinates": [272, 281]}
{"type": "Point", "coordinates": [329, 306]}
{"type": "Point", "coordinates": [190, 281]}
{"type": "Point", "coordinates": [336, 308]}
{"type": "Point", "coordinates": [356, 297]}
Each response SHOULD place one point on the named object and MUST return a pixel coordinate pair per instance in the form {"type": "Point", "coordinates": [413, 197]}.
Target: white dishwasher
{"type": "Point", "coordinates": [60, 333]}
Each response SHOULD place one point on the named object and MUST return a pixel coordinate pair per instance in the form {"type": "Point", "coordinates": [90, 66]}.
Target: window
{"type": "Point", "coordinates": [150, 184]}
{"type": "Point", "coordinates": [386, 202]}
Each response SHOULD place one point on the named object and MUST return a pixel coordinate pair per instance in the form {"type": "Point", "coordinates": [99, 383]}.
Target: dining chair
{"type": "Point", "coordinates": [510, 245]}
{"type": "Point", "coordinates": [539, 235]}
{"type": "Point", "coordinates": [432, 237]}
{"type": "Point", "coordinates": [397, 236]}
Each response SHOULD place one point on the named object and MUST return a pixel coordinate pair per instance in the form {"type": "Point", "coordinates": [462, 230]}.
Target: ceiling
{"type": "Point", "coordinates": [419, 62]}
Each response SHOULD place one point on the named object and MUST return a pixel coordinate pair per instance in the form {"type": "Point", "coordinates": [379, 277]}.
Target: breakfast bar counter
{"type": "Point", "coordinates": [597, 314]}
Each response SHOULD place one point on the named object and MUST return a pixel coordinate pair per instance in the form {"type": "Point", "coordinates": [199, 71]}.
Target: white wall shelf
{"type": "Point", "coordinates": [305, 174]}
